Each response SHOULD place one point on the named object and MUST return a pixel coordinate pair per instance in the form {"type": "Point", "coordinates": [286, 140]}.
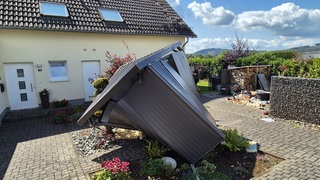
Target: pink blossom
{"type": "Point", "coordinates": [115, 166]}
{"type": "Point", "coordinates": [112, 165]}
{"type": "Point", "coordinates": [117, 160]}
{"type": "Point", "coordinates": [104, 164]}
{"type": "Point", "coordinates": [124, 166]}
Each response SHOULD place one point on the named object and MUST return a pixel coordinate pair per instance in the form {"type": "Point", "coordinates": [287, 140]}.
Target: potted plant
{"type": "Point", "coordinates": [44, 96]}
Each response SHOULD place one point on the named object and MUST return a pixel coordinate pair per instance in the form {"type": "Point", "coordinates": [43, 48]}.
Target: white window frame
{"type": "Point", "coordinates": [108, 14]}
{"type": "Point", "coordinates": [60, 76]}
{"type": "Point", "coordinates": [56, 9]}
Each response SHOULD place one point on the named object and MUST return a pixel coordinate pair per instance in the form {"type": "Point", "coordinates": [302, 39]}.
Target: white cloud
{"type": "Point", "coordinates": [290, 42]}
{"type": "Point", "coordinates": [210, 15]}
{"type": "Point", "coordinates": [177, 2]}
{"type": "Point", "coordinates": [287, 19]}
{"type": "Point", "coordinates": [262, 44]}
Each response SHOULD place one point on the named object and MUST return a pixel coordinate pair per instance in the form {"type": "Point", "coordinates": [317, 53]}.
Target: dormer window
{"type": "Point", "coordinates": [110, 15]}
{"type": "Point", "coordinates": [53, 9]}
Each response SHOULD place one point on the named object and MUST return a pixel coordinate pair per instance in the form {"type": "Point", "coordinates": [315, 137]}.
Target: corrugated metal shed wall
{"type": "Point", "coordinates": [122, 79]}
{"type": "Point", "coordinates": [158, 96]}
{"type": "Point", "coordinates": [183, 69]}
{"type": "Point", "coordinates": [170, 118]}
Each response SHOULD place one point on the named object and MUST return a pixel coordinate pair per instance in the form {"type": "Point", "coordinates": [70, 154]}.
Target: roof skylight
{"type": "Point", "coordinates": [53, 9]}
{"type": "Point", "coordinates": [110, 15]}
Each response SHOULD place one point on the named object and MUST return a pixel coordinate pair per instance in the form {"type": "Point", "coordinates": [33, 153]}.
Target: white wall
{"type": "Point", "coordinates": [39, 47]}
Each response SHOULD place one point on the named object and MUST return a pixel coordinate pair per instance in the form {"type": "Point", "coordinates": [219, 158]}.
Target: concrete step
{"type": "Point", "coordinates": [26, 114]}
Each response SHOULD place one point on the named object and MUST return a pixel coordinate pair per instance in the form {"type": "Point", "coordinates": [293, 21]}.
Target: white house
{"type": "Point", "coordinates": [59, 44]}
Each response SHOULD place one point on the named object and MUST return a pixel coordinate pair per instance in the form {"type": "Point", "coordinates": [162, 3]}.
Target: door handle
{"type": "Point", "coordinates": [31, 87]}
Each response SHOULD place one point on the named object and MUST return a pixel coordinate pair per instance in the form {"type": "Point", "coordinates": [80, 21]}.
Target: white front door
{"type": "Point", "coordinates": [21, 86]}
{"type": "Point", "coordinates": [89, 70]}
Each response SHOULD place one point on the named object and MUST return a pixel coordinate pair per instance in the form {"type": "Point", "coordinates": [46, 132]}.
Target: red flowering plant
{"type": "Point", "coordinates": [114, 169]}
{"type": "Point", "coordinates": [117, 61]}
{"type": "Point", "coordinates": [100, 81]}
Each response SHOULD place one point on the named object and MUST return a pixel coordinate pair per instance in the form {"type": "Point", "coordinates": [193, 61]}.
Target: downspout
{"type": "Point", "coordinates": [185, 43]}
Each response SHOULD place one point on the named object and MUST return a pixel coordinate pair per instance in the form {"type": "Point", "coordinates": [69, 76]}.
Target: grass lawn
{"type": "Point", "coordinates": [204, 86]}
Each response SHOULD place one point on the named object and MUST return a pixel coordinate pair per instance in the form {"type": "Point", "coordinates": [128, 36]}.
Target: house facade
{"type": "Point", "coordinates": [59, 44]}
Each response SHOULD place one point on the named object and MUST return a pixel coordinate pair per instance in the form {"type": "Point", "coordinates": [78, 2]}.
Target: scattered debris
{"type": "Point", "coordinates": [250, 98]}
{"type": "Point", "coordinates": [121, 133]}
{"type": "Point", "coordinates": [253, 147]}
{"type": "Point", "coordinates": [263, 95]}
{"type": "Point", "coordinates": [267, 119]}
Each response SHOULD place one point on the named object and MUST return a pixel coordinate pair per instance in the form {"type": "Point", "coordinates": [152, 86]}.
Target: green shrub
{"type": "Point", "coordinates": [240, 170]}
{"type": "Point", "coordinates": [155, 149]}
{"type": "Point", "coordinates": [100, 84]}
{"type": "Point", "coordinates": [291, 68]}
{"type": "Point", "coordinates": [213, 64]}
{"type": "Point", "coordinates": [258, 58]}
{"type": "Point", "coordinates": [285, 54]}
{"type": "Point", "coordinates": [155, 168]}
{"type": "Point", "coordinates": [203, 170]}
{"type": "Point", "coordinates": [207, 170]}
{"type": "Point", "coordinates": [62, 103]}
{"type": "Point", "coordinates": [61, 116]}
{"type": "Point", "coordinates": [314, 69]}
{"type": "Point", "coordinates": [102, 175]}
{"type": "Point", "coordinates": [233, 141]}
{"type": "Point", "coordinates": [285, 63]}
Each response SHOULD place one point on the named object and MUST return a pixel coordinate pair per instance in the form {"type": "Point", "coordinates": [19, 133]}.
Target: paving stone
{"type": "Point", "coordinates": [298, 145]}
{"type": "Point", "coordinates": [38, 149]}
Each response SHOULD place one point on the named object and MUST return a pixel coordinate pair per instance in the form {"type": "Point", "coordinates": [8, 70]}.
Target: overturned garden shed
{"type": "Point", "coordinates": [157, 95]}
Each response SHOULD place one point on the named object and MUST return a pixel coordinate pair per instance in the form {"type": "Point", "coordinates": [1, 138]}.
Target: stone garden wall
{"type": "Point", "coordinates": [295, 99]}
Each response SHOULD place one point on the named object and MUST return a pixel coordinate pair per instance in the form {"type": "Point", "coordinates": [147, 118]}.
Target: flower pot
{"type": "Point", "coordinates": [44, 100]}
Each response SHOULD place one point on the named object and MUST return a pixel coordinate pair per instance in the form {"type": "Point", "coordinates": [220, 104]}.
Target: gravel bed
{"type": "Point", "coordinates": [89, 140]}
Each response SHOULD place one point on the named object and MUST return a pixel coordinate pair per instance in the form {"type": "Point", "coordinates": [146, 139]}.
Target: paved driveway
{"type": "Point", "coordinates": [298, 145]}
{"type": "Point", "coordinates": [38, 149]}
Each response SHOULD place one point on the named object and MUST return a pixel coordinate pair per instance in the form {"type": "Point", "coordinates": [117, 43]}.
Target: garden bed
{"type": "Point", "coordinates": [235, 165]}
{"type": "Point", "coordinates": [243, 165]}
{"type": "Point", "coordinates": [239, 165]}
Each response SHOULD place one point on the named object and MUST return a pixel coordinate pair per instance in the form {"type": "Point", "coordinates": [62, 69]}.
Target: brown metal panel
{"type": "Point", "coordinates": [154, 94]}
{"type": "Point", "coordinates": [183, 88]}
{"type": "Point", "coordinates": [184, 71]}
{"type": "Point", "coordinates": [170, 118]}
{"type": "Point", "coordinates": [122, 79]}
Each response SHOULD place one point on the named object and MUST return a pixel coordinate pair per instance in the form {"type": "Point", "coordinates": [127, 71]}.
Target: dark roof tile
{"type": "Point", "coordinates": [140, 17]}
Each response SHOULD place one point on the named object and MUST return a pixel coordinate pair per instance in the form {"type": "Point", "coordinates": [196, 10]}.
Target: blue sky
{"type": "Point", "coordinates": [266, 24]}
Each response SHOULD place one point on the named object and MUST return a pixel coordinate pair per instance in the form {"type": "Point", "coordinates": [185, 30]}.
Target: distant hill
{"type": "Point", "coordinates": [302, 49]}
{"type": "Point", "coordinates": [211, 51]}
{"type": "Point", "coordinates": [307, 49]}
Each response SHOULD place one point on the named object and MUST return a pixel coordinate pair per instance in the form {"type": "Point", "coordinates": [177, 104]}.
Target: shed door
{"type": "Point", "coordinates": [89, 70]}
{"type": "Point", "coordinates": [21, 86]}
